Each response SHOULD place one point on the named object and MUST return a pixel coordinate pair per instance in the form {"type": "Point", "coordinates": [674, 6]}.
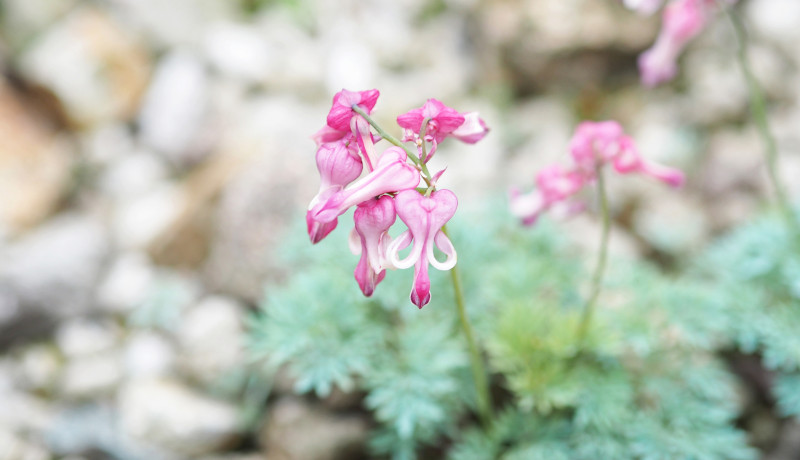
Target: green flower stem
{"type": "Point", "coordinates": [479, 374]}
{"type": "Point", "coordinates": [393, 140]}
{"type": "Point", "coordinates": [599, 270]}
{"type": "Point", "coordinates": [758, 107]}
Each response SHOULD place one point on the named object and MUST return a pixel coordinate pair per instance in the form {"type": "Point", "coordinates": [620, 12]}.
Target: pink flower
{"type": "Point", "coordinates": [442, 120]}
{"type": "Point", "coordinates": [327, 134]}
{"type": "Point", "coordinates": [630, 160]}
{"type": "Point", "coordinates": [337, 165]}
{"type": "Point", "coordinates": [555, 185]}
{"type": "Point", "coordinates": [343, 102]}
{"type": "Point", "coordinates": [594, 142]}
{"type": "Point", "coordinates": [472, 130]}
{"type": "Point", "coordinates": [391, 174]}
{"type": "Point", "coordinates": [682, 21]}
{"type": "Point", "coordinates": [317, 231]}
{"type": "Point", "coordinates": [373, 218]}
{"type": "Point", "coordinates": [424, 217]}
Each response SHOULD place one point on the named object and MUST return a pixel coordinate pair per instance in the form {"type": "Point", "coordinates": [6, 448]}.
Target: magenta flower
{"type": "Point", "coordinates": [682, 21]}
{"type": "Point", "coordinates": [338, 165]}
{"type": "Point", "coordinates": [442, 120]}
{"type": "Point", "coordinates": [343, 102]}
{"type": "Point", "coordinates": [391, 174]}
{"type": "Point", "coordinates": [472, 130]}
{"type": "Point", "coordinates": [327, 134]}
{"type": "Point", "coordinates": [424, 217]}
{"type": "Point", "coordinates": [373, 218]}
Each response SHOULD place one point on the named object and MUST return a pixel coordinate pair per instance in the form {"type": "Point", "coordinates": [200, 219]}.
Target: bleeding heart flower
{"type": "Point", "coordinates": [630, 160]}
{"type": "Point", "coordinates": [373, 218]}
{"type": "Point", "coordinates": [472, 130]}
{"type": "Point", "coordinates": [342, 110]}
{"type": "Point", "coordinates": [424, 217]}
{"type": "Point", "coordinates": [392, 174]}
{"type": "Point", "coordinates": [442, 120]}
{"type": "Point", "coordinates": [682, 21]}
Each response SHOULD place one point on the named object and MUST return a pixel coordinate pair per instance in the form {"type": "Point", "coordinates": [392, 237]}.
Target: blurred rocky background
{"type": "Point", "coordinates": [155, 153]}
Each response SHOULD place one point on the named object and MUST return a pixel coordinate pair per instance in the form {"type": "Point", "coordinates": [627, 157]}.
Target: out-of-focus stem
{"type": "Point", "coordinates": [599, 269]}
{"type": "Point", "coordinates": [479, 374]}
{"type": "Point", "coordinates": [758, 109]}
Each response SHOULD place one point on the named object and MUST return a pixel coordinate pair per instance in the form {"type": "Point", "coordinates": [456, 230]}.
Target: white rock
{"type": "Point", "coordinates": [90, 376]}
{"type": "Point", "coordinates": [127, 283]}
{"type": "Point", "coordinates": [81, 337]}
{"type": "Point", "coordinates": [147, 354]}
{"type": "Point", "coordinates": [139, 221]}
{"type": "Point", "coordinates": [176, 105]}
{"type": "Point", "coordinates": [134, 175]}
{"type": "Point", "coordinates": [239, 51]}
{"type": "Point", "coordinates": [86, 60]}
{"type": "Point", "coordinates": [13, 447]}
{"type": "Point", "coordinates": [210, 337]}
{"type": "Point", "coordinates": [56, 266]}
{"type": "Point", "coordinates": [40, 365]}
{"type": "Point", "coordinates": [170, 415]}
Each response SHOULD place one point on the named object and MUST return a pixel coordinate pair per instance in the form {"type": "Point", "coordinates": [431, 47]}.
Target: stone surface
{"type": "Point", "coordinates": [174, 114]}
{"type": "Point", "coordinates": [95, 69]}
{"type": "Point", "coordinates": [293, 422]}
{"type": "Point", "coordinates": [34, 164]}
{"type": "Point", "coordinates": [55, 268]}
{"type": "Point", "coordinates": [172, 416]}
{"type": "Point", "coordinates": [211, 339]}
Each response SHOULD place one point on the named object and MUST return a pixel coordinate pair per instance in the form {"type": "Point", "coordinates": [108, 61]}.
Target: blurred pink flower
{"type": "Point", "coordinates": [472, 130]}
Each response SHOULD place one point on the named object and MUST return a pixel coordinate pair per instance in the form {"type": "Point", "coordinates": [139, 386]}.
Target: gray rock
{"type": "Point", "coordinates": [89, 377]}
{"type": "Point", "coordinates": [211, 338]}
{"type": "Point", "coordinates": [175, 110]}
{"type": "Point", "coordinates": [166, 414]}
{"type": "Point", "coordinates": [240, 51]}
{"type": "Point", "coordinates": [126, 283]}
{"type": "Point", "coordinates": [80, 337]}
{"type": "Point", "coordinates": [293, 422]}
{"type": "Point", "coordinates": [54, 268]}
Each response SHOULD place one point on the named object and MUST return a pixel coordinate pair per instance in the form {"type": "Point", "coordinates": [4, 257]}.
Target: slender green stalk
{"type": "Point", "coordinates": [479, 374]}
{"type": "Point", "coordinates": [386, 135]}
{"type": "Point", "coordinates": [599, 270]}
{"type": "Point", "coordinates": [758, 108]}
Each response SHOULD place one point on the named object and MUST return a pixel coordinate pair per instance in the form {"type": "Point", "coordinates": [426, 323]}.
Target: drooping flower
{"type": "Point", "coordinates": [373, 218]}
{"type": "Point", "coordinates": [442, 120]}
{"type": "Point", "coordinates": [327, 134]}
{"type": "Point", "coordinates": [594, 142]}
{"type": "Point", "coordinates": [593, 145]}
{"type": "Point", "coordinates": [342, 110]}
{"type": "Point", "coordinates": [629, 160]}
{"type": "Point", "coordinates": [472, 130]}
{"type": "Point", "coordinates": [424, 217]}
{"type": "Point", "coordinates": [554, 185]}
{"type": "Point", "coordinates": [391, 174]}
{"type": "Point", "coordinates": [682, 21]}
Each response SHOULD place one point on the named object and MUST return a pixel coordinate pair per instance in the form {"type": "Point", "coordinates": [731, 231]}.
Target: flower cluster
{"type": "Point", "coordinates": [593, 145]}
{"type": "Point", "coordinates": [682, 20]}
{"type": "Point", "coordinates": [389, 189]}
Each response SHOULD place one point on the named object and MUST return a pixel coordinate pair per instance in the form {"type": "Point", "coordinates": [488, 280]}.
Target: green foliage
{"type": "Point", "coordinates": [646, 385]}
{"type": "Point", "coordinates": [755, 275]}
